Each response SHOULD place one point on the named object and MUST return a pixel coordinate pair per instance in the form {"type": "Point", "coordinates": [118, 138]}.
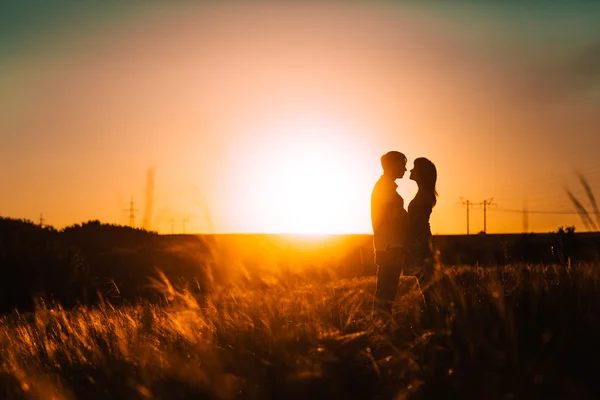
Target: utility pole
{"type": "Point", "coordinates": [172, 222]}
{"type": "Point", "coordinates": [41, 221]}
{"type": "Point", "coordinates": [468, 204]}
{"type": "Point", "coordinates": [486, 204]}
{"type": "Point", "coordinates": [183, 221]}
{"type": "Point", "coordinates": [525, 220]}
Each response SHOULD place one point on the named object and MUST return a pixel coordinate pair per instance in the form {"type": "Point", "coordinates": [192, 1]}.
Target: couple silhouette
{"type": "Point", "coordinates": [401, 238]}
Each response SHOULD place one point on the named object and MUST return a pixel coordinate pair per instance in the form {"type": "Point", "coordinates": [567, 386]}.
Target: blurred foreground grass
{"type": "Point", "coordinates": [497, 333]}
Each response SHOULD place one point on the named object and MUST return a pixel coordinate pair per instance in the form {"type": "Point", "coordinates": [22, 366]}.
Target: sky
{"type": "Point", "coordinates": [220, 117]}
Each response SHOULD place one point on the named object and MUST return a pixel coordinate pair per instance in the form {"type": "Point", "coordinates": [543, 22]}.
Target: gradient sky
{"type": "Point", "coordinates": [266, 117]}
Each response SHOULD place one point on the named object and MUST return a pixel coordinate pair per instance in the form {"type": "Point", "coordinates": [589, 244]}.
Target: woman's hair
{"type": "Point", "coordinates": [427, 176]}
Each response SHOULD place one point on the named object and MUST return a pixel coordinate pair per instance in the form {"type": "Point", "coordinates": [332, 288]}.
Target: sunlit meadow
{"type": "Point", "coordinates": [507, 332]}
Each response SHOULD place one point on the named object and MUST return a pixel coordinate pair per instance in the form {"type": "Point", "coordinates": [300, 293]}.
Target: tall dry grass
{"type": "Point", "coordinates": [514, 332]}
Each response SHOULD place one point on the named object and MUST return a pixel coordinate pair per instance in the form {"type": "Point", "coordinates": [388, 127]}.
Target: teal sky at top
{"type": "Point", "coordinates": [537, 29]}
{"type": "Point", "coordinates": [529, 33]}
{"type": "Point", "coordinates": [24, 22]}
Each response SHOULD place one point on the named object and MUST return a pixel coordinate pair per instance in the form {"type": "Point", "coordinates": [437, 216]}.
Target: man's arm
{"type": "Point", "coordinates": [380, 212]}
{"type": "Point", "coordinates": [382, 209]}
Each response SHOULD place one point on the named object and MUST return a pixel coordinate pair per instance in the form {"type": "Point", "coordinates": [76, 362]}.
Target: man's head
{"type": "Point", "coordinates": [393, 164]}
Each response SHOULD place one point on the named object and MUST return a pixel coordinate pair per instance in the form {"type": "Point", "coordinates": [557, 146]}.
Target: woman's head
{"type": "Point", "coordinates": [425, 174]}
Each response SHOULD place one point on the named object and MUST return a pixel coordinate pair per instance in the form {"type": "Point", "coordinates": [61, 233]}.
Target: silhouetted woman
{"type": "Point", "coordinates": [420, 259]}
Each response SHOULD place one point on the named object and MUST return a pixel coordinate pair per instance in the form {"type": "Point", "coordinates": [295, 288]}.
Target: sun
{"type": "Point", "coordinates": [312, 179]}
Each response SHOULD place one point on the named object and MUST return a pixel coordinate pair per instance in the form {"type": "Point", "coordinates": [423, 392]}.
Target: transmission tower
{"type": "Point", "coordinates": [41, 220]}
{"type": "Point", "coordinates": [131, 211]}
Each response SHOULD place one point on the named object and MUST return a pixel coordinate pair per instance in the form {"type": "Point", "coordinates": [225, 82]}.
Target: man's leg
{"type": "Point", "coordinates": [389, 267]}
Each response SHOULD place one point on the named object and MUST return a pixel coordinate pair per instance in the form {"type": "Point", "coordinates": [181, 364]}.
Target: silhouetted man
{"type": "Point", "coordinates": [388, 218]}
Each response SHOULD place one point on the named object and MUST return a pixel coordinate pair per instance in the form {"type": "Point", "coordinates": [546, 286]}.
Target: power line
{"type": "Point", "coordinates": [514, 210]}
{"type": "Point", "coordinates": [485, 203]}
{"type": "Point", "coordinates": [525, 212]}
{"type": "Point", "coordinates": [183, 223]}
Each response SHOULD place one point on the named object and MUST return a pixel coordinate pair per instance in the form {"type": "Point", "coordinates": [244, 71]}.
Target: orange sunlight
{"type": "Point", "coordinates": [307, 173]}
{"type": "Point", "coordinates": [265, 117]}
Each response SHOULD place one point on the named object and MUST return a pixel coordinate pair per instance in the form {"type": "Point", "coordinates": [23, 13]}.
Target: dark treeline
{"type": "Point", "coordinates": [96, 262]}
{"type": "Point", "coordinates": [561, 247]}
{"type": "Point", "coordinates": [86, 263]}
{"type": "Point", "coordinates": [93, 262]}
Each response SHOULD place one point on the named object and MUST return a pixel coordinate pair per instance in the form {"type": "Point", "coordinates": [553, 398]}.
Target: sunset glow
{"type": "Point", "coordinates": [271, 117]}
{"type": "Point", "coordinates": [307, 178]}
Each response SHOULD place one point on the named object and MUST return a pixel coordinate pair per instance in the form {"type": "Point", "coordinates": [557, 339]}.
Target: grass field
{"type": "Point", "coordinates": [502, 333]}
